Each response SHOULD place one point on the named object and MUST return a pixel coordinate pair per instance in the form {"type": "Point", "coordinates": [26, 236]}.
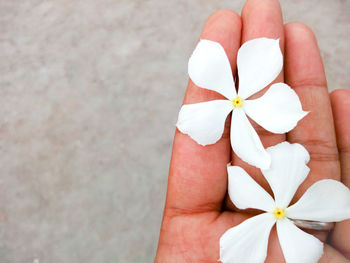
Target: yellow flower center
{"type": "Point", "coordinates": [279, 213]}
{"type": "Point", "coordinates": [237, 102]}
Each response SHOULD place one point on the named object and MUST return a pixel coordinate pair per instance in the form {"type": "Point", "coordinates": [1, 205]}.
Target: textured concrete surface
{"type": "Point", "coordinates": [89, 94]}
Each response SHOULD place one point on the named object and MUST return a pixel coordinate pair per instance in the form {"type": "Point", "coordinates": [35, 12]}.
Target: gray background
{"type": "Point", "coordinates": [89, 94]}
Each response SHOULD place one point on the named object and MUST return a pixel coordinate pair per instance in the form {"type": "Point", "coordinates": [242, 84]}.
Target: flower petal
{"type": "Point", "coordinates": [278, 110]}
{"type": "Point", "coordinates": [297, 245]}
{"type": "Point", "coordinates": [204, 122]}
{"type": "Point", "coordinates": [209, 68]}
{"type": "Point", "coordinates": [287, 171]}
{"type": "Point", "coordinates": [245, 192]}
{"type": "Point", "coordinates": [259, 61]}
{"type": "Point", "coordinates": [326, 201]}
{"type": "Point", "coordinates": [248, 241]}
{"type": "Point", "coordinates": [246, 142]}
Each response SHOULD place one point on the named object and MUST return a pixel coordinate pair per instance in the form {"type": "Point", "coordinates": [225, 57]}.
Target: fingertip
{"type": "Point", "coordinates": [225, 14]}
{"type": "Point", "coordinates": [224, 26]}
{"type": "Point", "coordinates": [262, 19]}
{"type": "Point", "coordinates": [298, 30]}
{"type": "Point", "coordinates": [304, 64]}
{"type": "Point", "coordinates": [258, 4]}
{"type": "Point", "coordinates": [340, 100]}
{"type": "Point", "coordinates": [223, 21]}
{"type": "Point", "coordinates": [341, 95]}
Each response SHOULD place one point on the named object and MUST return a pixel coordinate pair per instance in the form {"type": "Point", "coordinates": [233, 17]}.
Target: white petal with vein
{"type": "Point", "coordinates": [326, 201]}
{"type": "Point", "coordinates": [259, 61]}
{"type": "Point", "coordinates": [209, 68]}
{"type": "Point", "coordinates": [246, 142]}
{"type": "Point", "coordinates": [204, 122]}
{"type": "Point", "coordinates": [287, 171]}
{"type": "Point", "coordinates": [248, 241]}
{"type": "Point", "coordinates": [278, 110]}
{"type": "Point", "coordinates": [297, 245]}
{"type": "Point", "coordinates": [245, 192]}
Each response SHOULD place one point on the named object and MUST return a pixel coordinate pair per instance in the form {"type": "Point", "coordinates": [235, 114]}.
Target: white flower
{"type": "Point", "coordinates": [325, 201]}
{"type": "Point", "coordinates": [259, 62]}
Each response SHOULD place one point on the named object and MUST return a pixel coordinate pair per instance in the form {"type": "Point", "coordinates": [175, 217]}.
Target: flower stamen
{"type": "Point", "coordinates": [279, 213]}
{"type": "Point", "coordinates": [237, 102]}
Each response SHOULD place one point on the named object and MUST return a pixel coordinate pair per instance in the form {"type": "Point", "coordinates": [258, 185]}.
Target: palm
{"type": "Point", "coordinates": [197, 210]}
{"type": "Point", "coordinates": [196, 236]}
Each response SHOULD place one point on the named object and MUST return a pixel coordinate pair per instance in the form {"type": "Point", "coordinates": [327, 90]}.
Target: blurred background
{"type": "Point", "coordinates": [89, 96]}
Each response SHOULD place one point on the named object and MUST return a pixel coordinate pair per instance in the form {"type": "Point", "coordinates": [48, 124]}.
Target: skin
{"type": "Point", "coordinates": [197, 210]}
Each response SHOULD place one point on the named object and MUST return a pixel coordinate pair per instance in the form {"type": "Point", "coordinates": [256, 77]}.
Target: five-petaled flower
{"type": "Point", "coordinates": [325, 201]}
{"type": "Point", "coordinates": [259, 62]}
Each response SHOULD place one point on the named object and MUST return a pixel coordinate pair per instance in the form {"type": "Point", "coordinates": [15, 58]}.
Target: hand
{"type": "Point", "coordinates": [198, 210]}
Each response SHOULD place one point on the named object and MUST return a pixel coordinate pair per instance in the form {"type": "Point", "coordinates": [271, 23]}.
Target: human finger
{"type": "Point", "coordinates": [198, 177]}
{"type": "Point", "coordinates": [340, 99]}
